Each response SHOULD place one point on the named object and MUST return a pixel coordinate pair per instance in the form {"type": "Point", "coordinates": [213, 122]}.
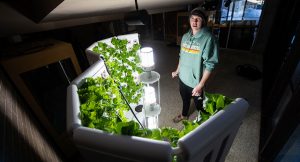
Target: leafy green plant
{"type": "Point", "coordinates": [213, 104]}
{"type": "Point", "coordinates": [123, 65]}
{"type": "Point", "coordinates": [101, 105]}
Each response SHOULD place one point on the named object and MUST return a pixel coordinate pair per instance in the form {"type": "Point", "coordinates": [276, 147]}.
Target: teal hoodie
{"type": "Point", "coordinates": [197, 53]}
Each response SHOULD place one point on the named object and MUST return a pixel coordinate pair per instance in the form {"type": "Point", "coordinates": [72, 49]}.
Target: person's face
{"type": "Point", "coordinates": [195, 22]}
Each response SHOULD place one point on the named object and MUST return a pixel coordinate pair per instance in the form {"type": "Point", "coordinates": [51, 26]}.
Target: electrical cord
{"type": "Point", "coordinates": [136, 5]}
{"type": "Point", "coordinates": [130, 107]}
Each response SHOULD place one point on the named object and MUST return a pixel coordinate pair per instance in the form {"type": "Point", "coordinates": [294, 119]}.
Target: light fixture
{"type": "Point", "coordinates": [138, 17]}
{"type": "Point", "coordinates": [151, 90]}
{"type": "Point", "coordinates": [151, 107]}
{"type": "Point", "coordinates": [150, 98]}
{"type": "Point", "coordinates": [152, 122]}
{"type": "Point", "coordinates": [147, 64]}
{"type": "Point", "coordinates": [146, 55]}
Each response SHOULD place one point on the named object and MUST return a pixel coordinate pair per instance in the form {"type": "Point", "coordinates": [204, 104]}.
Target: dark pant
{"type": "Point", "coordinates": [186, 95]}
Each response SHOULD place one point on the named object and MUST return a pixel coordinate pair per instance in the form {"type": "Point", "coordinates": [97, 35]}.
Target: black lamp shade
{"type": "Point", "coordinates": [139, 17]}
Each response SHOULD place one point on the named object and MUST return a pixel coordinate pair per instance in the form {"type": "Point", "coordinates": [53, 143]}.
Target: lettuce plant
{"type": "Point", "coordinates": [123, 65]}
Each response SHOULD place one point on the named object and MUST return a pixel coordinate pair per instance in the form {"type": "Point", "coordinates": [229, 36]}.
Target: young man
{"type": "Point", "coordinates": [198, 57]}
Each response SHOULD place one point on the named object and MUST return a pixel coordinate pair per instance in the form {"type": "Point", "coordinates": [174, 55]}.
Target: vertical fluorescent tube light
{"type": "Point", "coordinates": [150, 98]}
{"type": "Point", "coordinates": [152, 122]}
{"type": "Point", "coordinates": [146, 55]}
{"type": "Point", "coordinates": [151, 109]}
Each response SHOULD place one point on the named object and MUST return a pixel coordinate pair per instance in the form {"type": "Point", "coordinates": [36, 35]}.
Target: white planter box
{"type": "Point", "coordinates": [211, 140]}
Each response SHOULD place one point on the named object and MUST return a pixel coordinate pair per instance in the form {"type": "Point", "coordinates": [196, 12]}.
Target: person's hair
{"type": "Point", "coordinates": [199, 12]}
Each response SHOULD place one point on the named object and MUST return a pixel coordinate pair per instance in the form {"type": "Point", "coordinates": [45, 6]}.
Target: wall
{"type": "Point", "coordinates": [266, 21]}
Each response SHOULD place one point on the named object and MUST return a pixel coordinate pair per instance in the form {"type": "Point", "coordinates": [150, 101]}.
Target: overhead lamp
{"type": "Point", "coordinates": [138, 17]}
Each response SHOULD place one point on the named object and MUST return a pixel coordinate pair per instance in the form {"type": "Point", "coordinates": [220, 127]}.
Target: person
{"type": "Point", "coordinates": [198, 57]}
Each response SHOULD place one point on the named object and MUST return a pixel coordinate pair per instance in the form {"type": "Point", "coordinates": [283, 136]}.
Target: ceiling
{"type": "Point", "coordinates": [18, 17]}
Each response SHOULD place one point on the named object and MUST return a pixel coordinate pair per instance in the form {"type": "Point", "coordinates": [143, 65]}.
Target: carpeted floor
{"type": "Point", "coordinates": [225, 81]}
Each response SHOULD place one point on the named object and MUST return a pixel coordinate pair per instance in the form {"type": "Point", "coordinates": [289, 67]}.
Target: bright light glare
{"type": "Point", "coordinates": [152, 122]}
{"type": "Point", "coordinates": [146, 55]}
{"type": "Point", "coordinates": [149, 95]}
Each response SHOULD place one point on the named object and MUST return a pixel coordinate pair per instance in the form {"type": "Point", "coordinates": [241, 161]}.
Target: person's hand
{"type": "Point", "coordinates": [174, 74]}
{"type": "Point", "coordinates": [197, 90]}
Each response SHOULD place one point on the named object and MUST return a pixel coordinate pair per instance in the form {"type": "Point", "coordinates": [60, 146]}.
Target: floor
{"type": "Point", "coordinates": [225, 81]}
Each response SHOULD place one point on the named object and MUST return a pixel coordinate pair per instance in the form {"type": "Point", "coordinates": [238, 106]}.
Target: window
{"type": "Point", "coordinates": [242, 10]}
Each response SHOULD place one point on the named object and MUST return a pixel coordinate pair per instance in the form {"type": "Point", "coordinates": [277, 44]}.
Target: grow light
{"type": "Point", "coordinates": [152, 109]}
{"type": "Point", "coordinates": [147, 61]}
{"type": "Point", "coordinates": [152, 122]}
{"type": "Point", "coordinates": [151, 99]}
{"type": "Point", "coordinates": [150, 95]}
